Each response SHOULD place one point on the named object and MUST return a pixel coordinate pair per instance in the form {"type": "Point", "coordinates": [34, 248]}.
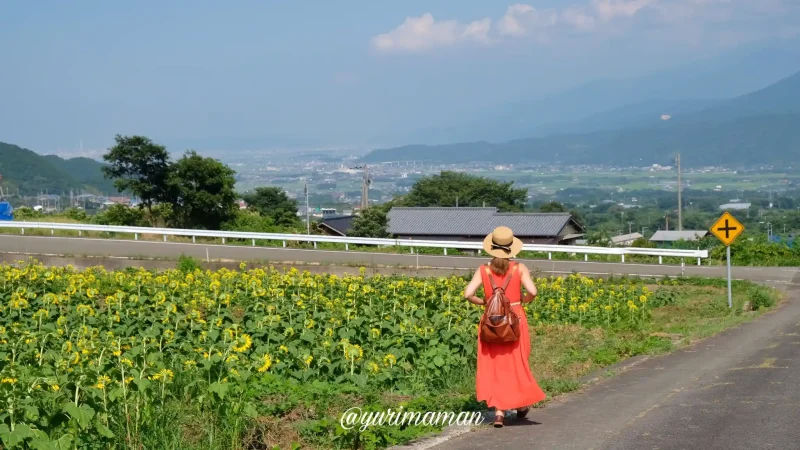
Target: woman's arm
{"type": "Point", "coordinates": [472, 288]}
{"type": "Point", "coordinates": [527, 283]}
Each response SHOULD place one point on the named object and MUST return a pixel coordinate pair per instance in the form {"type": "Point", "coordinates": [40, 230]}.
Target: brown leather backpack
{"type": "Point", "coordinates": [499, 324]}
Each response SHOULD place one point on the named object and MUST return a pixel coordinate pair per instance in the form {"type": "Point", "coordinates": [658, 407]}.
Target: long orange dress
{"type": "Point", "coordinates": [504, 377]}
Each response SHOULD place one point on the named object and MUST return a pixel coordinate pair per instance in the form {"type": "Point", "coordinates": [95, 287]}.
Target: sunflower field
{"type": "Point", "coordinates": [94, 359]}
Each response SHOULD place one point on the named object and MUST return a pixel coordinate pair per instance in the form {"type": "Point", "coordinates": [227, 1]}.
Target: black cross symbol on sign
{"type": "Point", "coordinates": [727, 229]}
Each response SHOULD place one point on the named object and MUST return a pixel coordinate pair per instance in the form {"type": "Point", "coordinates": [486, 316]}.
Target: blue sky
{"type": "Point", "coordinates": [337, 72]}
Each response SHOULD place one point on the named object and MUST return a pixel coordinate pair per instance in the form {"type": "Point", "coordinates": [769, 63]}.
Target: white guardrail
{"type": "Point", "coordinates": [549, 249]}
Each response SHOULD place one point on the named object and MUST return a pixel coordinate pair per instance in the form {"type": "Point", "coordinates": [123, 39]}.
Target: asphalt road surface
{"type": "Point", "coordinates": [43, 245]}
{"type": "Point", "coordinates": [738, 390]}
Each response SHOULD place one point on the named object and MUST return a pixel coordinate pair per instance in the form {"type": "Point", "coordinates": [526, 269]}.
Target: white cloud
{"type": "Point", "coordinates": [424, 33]}
{"type": "Point", "coordinates": [611, 9]}
{"type": "Point", "coordinates": [521, 20]}
{"type": "Point", "coordinates": [579, 19]}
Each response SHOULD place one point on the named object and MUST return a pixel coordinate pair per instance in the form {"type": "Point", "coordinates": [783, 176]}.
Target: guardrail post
{"type": "Point", "coordinates": [698, 258]}
{"type": "Point", "coordinates": [659, 259]}
{"type": "Point", "coordinates": [80, 232]}
{"type": "Point", "coordinates": [445, 252]}
{"type": "Point", "coordinates": [254, 242]}
{"type": "Point", "coordinates": [549, 255]}
{"type": "Point", "coordinates": [623, 257]}
{"type": "Point", "coordinates": [284, 244]}
{"type": "Point", "coordinates": [135, 236]}
{"type": "Point", "coordinates": [193, 240]}
{"type": "Point", "coordinates": [23, 230]}
{"type": "Point", "coordinates": [223, 241]}
{"type": "Point", "coordinates": [346, 246]}
{"type": "Point", "coordinates": [52, 232]}
{"type": "Point", "coordinates": [315, 244]}
{"type": "Point", "coordinates": [586, 257]}
{"type": "Point", "coordinates": [165, 238]}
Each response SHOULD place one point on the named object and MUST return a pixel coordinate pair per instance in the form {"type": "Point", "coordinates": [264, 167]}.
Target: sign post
{"type": "Point", "coordinates": [727, 229]}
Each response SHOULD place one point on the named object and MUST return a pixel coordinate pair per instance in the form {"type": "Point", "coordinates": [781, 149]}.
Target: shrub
{"type": "Point", "coordinates": [187, 264]}
{"type": "Point", "coordinates": [760, 298]}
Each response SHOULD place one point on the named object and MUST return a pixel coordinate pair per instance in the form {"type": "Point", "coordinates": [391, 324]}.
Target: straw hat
{"type": "Point", "coordinates": [501, 243]}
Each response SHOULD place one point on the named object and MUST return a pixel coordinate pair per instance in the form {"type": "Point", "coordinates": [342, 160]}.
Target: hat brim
{"type": "Point", "coordinates": [516, 247]}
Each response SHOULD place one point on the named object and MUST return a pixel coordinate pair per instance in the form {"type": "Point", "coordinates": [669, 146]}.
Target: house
{"type": "Point", "coordinates": [666, 237]}
{"type": "Point", "coordinates": [735, 206]}
{"type": "Point", "coordinates": [337, 225]}
{"type": "Point", "coordinates": [625, 239]}
{"type": "Point", "coordinates": [474, 224]}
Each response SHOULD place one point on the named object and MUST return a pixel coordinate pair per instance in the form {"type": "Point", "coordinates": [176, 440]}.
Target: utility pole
{"type": "Point", "coordinates": [680, 188]}
{"type": "Point", "coordinates": [308, 213]}
{"type": "Point", "coordinates": [365, 187]}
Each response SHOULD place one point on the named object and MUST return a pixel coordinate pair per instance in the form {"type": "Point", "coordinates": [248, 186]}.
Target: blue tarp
{"type": "Point", "coordinates": [6, 211]}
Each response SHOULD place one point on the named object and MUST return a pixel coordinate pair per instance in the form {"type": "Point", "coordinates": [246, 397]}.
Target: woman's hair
{"type": "Point", "coordinates": [499, 266]}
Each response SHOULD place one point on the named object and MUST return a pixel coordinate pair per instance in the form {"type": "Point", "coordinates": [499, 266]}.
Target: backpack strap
{"type": "Point", "coordinates": [490, 277]}
{"type": "Point", "coordinates": [510, 275]}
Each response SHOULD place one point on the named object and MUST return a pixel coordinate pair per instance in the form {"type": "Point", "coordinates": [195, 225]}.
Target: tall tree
{"type": "Point", "coordinates": [456, 188]}
{"type": "Point", "coordinates": [204, 192]}
{"type": "Point", "coordinates": [140, 167]}
{"type": "Point", "coordinates": [372, 222]}
{"type": "Point", "coordinates": [273, 202]}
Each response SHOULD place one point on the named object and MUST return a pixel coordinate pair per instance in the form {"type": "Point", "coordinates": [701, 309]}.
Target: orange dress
{"type": "Point", "coordinates": [504, 378]}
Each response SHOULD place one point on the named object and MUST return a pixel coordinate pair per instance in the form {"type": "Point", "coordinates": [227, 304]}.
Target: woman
{"type": "Point", "coordinates": [504, 379]}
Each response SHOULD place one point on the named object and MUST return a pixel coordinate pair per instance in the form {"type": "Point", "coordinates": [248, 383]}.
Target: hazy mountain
{"type": "Point", "coordinates": [758, 128]}
{"type": "Point", "coordinates": [577, 110]}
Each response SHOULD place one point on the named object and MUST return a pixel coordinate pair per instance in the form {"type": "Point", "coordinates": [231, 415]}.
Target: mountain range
{"type": "Point", "coordinates": [604, 104]}
{"type": "Point", "coordinates": [761, 127]}
{"type": "Point", "coordinates": [34, 174]}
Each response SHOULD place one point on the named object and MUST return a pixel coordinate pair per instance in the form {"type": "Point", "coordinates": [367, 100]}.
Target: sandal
{"type": "Point", "coordinates": [498, 421]}
{"type": "Point", "coordinates": [523, 412]}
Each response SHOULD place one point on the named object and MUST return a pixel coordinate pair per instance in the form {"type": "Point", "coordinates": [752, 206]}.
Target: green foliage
{"type": "Point", "coordinates": [372, 222]}
{"type": "Point", "coordinates": [139, 166]}
{"type": "Point", "coordinates": [203, 189]}
{"type": "Point", "coordinates": [75, 214]}
{"type": "Point", "coordinates": [121, 215]}
{"type": "Point", "coordinates": [24, 213]}
{"type": "Point", "coordinates": [643, 243]}
{"type": "Point", "coordinates": [761, 297]}
{"type": "Point", "coordinates": [273, 202]}
{"type": "Point", "coordinates": [250, 221]}
{"type": "Point", "coordinates": [447, 188]}
{"type": "Point", "coordinates": [187, 264]}
{"type": "Point", "coordinates": [86, 171]}
{"type": "Point", "coordinates": [34, 174]}
{"type": "Point", "coordinates": [552, 207]}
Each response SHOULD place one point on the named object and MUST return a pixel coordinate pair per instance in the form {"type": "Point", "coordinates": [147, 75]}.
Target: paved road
{"type": "Point", "coordinates": [41, 245]}
{"type": "Point", "coordinates": [738, 390]}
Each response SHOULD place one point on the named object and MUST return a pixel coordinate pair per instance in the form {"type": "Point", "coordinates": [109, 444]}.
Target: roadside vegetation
{"type": "Point", "coordinates": [262, 359]}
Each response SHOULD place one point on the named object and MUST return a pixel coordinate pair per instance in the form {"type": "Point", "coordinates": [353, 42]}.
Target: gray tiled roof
{"type": "Point", "coordinates": [626, 237]}
{"type": "Point", "coordinates": [671, 236]}
{"type": "Point", "coordinates": [472, 222]}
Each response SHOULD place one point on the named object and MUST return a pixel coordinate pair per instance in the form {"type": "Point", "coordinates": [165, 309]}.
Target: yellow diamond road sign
{"type": "Point", "coordinates": [727, 229]}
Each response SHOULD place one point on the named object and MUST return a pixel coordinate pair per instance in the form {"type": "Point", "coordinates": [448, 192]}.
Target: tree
{"type": "Point", "coordinates": [251, 222]}
{"type": "Point", "coordinates": [372, 222]}
{"type": "Point", "coordinates": [204, 192]}
{"type": "Point", "coordinates": [552, 207]}
{"type": "Point", "coordinates": [121, 215]}
{"type": "Point", "coordinates": [451, 188]}
{"type": "Point", "coordinates": [140, 167]}
{"type": "Point", "coordinates": [273, 202]}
